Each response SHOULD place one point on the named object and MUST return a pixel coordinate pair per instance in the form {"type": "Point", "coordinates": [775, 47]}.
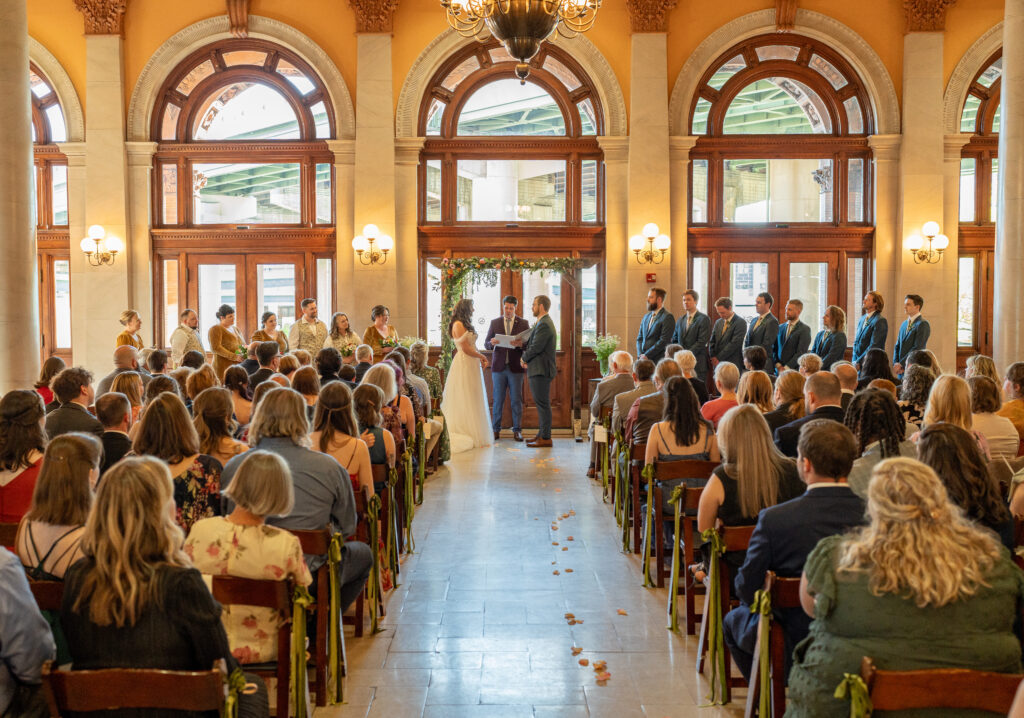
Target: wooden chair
{"type": "Point", "coordinates": [605, 420]}
{"type": "Point", "coordinates": [48, 594]}
{"type": "Point", "coordinates": [399, 509]}
{"type": "Point", "coordinates": [8, 535]}
{"type": "Point", "coordinates": [637, 456]}
{"type": "Point", "coordinates": [317, 543]}
{"type": "Point", "coordinates": [435, 453]}
{"type": "Point", "coordinates": [784, 593]}
{"type": "Point", "coordinates": [669, 471]}
{"type": "Point", "coordinates": [939, 688]}
{"type": "Point", "coordinates": [275, 595]}
{"type": "Point", "coordinates": [387, 510]}
{"type": "Point", "coordinates": [120, 688]}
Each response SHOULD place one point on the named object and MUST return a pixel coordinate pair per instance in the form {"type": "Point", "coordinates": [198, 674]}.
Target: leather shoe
{"type": "Point", "coordinates": [497, 435]}
{"type": "Point", "coordinates": [591, 473]}
{"type": "Point", "coordinates": [517, 435]}
{"type": "Point", "coordinates": [539, 443]}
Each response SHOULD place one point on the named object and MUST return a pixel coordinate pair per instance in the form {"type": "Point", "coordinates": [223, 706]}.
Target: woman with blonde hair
{"type": "Point", "coordinates": [129, 383]}
{"type": "Point", "coordinates": [830, 342]}
{"type": "Point", "coordinates": [788, 399]}
{"type": "Point", "coordinates": [981, 365]}
{"type": "Point", "coordinates": [756, 389]}
{"type": "Point", "coordinates": [919, 567]}
{"type": "Point", "coordinates": [397, 414]}
{"type": "Point", "coordinates": [950, 401]}
{"type": "Point", "coordinates": [135, 601]}
{"type": "Point", "coordinates": [687, 362]}
{"type": "Point", "coordinates": [336, 433]}
{"type": "Point", "coordinates": [999, 432]}
{"type": "Point", "coordinates": [212, 417]}
{"type": "Point", "coordinates": [132, 323]}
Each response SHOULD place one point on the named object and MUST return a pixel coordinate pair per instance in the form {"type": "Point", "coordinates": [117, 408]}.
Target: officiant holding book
{"type": "Point", "coordinates": [506, 367]}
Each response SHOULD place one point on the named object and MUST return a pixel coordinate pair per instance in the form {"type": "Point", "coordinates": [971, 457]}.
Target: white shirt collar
{"type": "Point", "coordinates": [915, 317]}
{"type": "Point", "coordinates": [826, 484]}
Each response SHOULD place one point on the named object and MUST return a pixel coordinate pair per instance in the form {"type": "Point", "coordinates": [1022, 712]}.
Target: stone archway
{"type": "Point", "coordinates": [963, 73]}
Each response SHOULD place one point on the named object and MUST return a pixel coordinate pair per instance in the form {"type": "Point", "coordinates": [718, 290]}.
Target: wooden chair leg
{"type": "Point", "coordinates": [400, 509]}
{"type": "Point", "coordinates": [690, 590]}
{"type": "Point", "coordinates": [359, 614]}
{"type": "Point", "coordinates": [702, 640]}
{"type": "Point", "coordinates": [635, 499]}
{"type": "Point", "coordinates": [777, 645]}
{"type": "Point", "coordinates": [659, 537]}
{"type": "Point", "coordinates": [754, 692]}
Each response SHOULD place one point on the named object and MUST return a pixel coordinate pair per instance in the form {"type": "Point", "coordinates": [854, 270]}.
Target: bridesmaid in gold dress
{"type": "Point", "coordinates": [132, 322]}
{"type": "Point", "coordinates": [225, 341]}
{"type": "Point", "coordinates": [270, 332]}
{"type": "Point", "coordinates": [380, 331]}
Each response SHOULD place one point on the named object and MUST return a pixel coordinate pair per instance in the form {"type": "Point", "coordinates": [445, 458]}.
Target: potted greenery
{"type": "Point", "coordinates": [604, 347]}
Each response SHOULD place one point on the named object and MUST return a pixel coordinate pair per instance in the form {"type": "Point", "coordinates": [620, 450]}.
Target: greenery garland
{"type": "Point", "coordinates": [460, 273]}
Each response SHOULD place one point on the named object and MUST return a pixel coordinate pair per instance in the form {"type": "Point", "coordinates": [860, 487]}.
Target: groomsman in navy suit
{"type": "Point", "coordinates": [693, 330]}
{"type": "Point", "coordinates": [655, 328]}
{"type": "Point", "coordinates": [506, 368]}
{"type": "Point", "coordinates": [727, 335]}
{"type": "Point", "coordinates": [872, 328]}
{"type": "Point", "coordinates": [793, 340]}
{"type": "Point", "coordinates": [765, 329]}
{"type": "Point", "coordinates": [914, 333]}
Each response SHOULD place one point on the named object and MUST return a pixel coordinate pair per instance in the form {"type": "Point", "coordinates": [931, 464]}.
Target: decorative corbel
{"type": "Point", "coordinates": [102, 17]}
{"type": "Point", "coordinates": [785, 15]}
{"type": "Point", "coordinates": [926, 15]}
{"type": "Point", "coordinates": [238, 16]}
{"type": "Point", "coordinates": [649, 15]}
{"type": "Point", "coordinates": [374, 15]}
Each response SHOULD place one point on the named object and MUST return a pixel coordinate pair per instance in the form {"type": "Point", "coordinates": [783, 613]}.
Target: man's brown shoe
{"type": "Point", "coordinates": [517, 435]}
{"type": "Point", "coordinates": [539, 443]}
{"type": "Point", "coordinates": [591, 473]}
{"type": "Point", "coordinates": [497, 435]}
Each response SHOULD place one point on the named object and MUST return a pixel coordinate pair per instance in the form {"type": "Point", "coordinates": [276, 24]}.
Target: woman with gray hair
{"type": "Point", "coordinates": [687, 362]}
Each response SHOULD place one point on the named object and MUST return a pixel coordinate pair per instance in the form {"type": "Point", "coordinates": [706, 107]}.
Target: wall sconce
{"type": "Point", "coordinates": [99, 248]}
{"type": "Point", "coordinates": [937, 244]}
{"type": "Point", "coordinates": [650, 246]}
{"type": "Point", "coordinates": [374, 245]}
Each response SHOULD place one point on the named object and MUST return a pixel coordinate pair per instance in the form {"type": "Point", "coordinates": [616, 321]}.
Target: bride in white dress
{"type": "Point", "coordinates": [464, 403]}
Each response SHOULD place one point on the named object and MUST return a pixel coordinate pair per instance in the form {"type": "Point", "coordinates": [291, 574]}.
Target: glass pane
{"type": "Point", "coordinates": [855, 191]}
{"type": "Point", "coordinates": [746, 281]}
{"type": "Point", "coordinates": [991, 73]}
{"type": "Point", "coordinates": [194, 77]}
{"type": "Point", "coordinates": [828, 71]}
{"type": "Point", "coordinates": [62, 303]}
{"type": "Point", "coordinates": [434, 116]}
{"type": "Point", "coordinates": [500, 54]}
{"type": "Point", "coordinates": [791, 190]}
{"type": "Point", "coordinates": [590, 306]}
{"type": "Point", "coordinates": [699, 126]}
{"type": "Point", "coordinates": [511, 190]}
{"type": "Point", "coordinates": [486, 295]}
{"type": "Point", "coordinates": [433, 191]}
{"type": "Point", "coordinates": [699, 281]}
{"type": "Point", "coordinates": [325, 287]}
{"type": "Point", "coordinates": [275, 292]}
{"type": "Point", "coordinates": [59, 176]}
{"type": "Point", "coordinates": [467, 66]}
{"type": "Point", "coordinates": [244, 57]}
{"type": "Point", "coordinates": [967, 180]}
{"type": "Point", "coordinates": [699, 200]}
{"type": "Point", "coordinates": [855, 291]}
{"type": "Point", "coordinates": [320, 121]}
{"type": "Point", "coordinates": [295, 76]}
{"type": "Point", "coordinates": [778, 52]}
{"type": "Point", "coordinates": [169, 124]}
{"type": "Point", "coordinates": [506, 107]}
{"type": "Point", "coordinates": [854, 116]}
{"type": "Point", "coordinates": [588, 120]}
{"type": "Point", "coordinates": [965, 302]}
{"type": "Point", "coordinates": [726, 71]}
{"type": "Point", "coordinates": [171, 307]}
{"type": "Point", "coordinates": [216, 287]}
{"type": "Point", "coordinates": [589, 190]}
{"type": "Point", "coordinates": [993, 212]}
{"type": "Point", "coordinates": [246, 193]}
{"type": "Point", "coordinates": [246, 111]}
{"type": "Point", "coordinates": [997, 119]}
{"type": "Point", "coordinates": [777, 106]}
{"type": "Point", "coordinates": [563, 73]}
{"type": "Point", "coordinates": [549, 284]}
{"type": "Point", "coordinates": [808, 282]}
{"type": "Point", "coordinates": [58, 130]}
{"type": "Point", "coordinates": [969, 117]}
{"type": "Point", "coordinates": [323, 194]}
{"type": "Point", "coordinates": [433, 315]}
{"type": "Point", "coordinates": [169, 193]}
{"type": "Point", "coordinates": [38, 85]}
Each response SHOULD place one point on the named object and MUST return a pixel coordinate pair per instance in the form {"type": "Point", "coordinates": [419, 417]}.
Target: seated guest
{"type": "Point", "coordinates": [199, 381]}
{"type": "Point", "coordinates": [155, 388]}
{"type": "Point", "coordinates": [920, 566]}
{"type": "Point", "coordinates": [999, 432]}
{"type": "Point", "coordinates": [73, 389]}
{"type": "Point", "coordinates": [647, 410]}
{"type": "Point", "coordinates": [50, 533]}
{"type": "Point", "coordinates": [306, 382]}
{"type": "Point", "coordinates": [27, 643]}
{"type": "Point", "coordinates": [157, 362]}
{"type": "Point", "coordinates": [788, 400]}
{"type": "Point", "coordinates": [193, 359]}
{"type": "Point", "coordinates": [242, 545]}
{"type": "Point", "coordinates": [981, 365]}
{"type": "Point", "coordinates": [126, 358]}
{"type": "Point", "coordinates": [417, 383]}
{"type": "Point", "coordinates": [922, 357]}
{"type": "Point", "coordinates": [1013, 407]}
{"type": "Point", "coordinates": [166, 433]}
{"type": "Point", "coordinates": [418, 366]}
{"type": "Point", "coordinates": [368, 400]}
{"type": "Point", "coordinates": [347, 374]}
{"type": "Point", "coordinates": [180, 377]}
{"type": "Point", "coordinates": [950, 400]}
{"type": "Point", "coordinates": [671, 349]}
{"type": "Point", "coordinates": [114, 412]}
{"type": "Point", "coordinates": [380, 331]}
{"type": "Point", "coordinates": [135, 601]}
{"type": "Point", "coordinates": [876, 365]}
{"type": "Point", "coordinates": [22, 443]}
{"type": "Point", "coordinates": [914, 391]}
{"type": "Point", "coordinates": [397, 413]}
{"type": "Point", "coordinates": [809, 364]}
{"type": "Point", "coordinates": [269, 362]}
{"type": "Point", "coordinates": [618, 381]}
{"type": "Point", "coordinates": [129, 385]}
{"type": "Point", "coordinates": [269, 332]}
{"type": "Point", "coordinates": [933, 362]}
{"type": "Point", "coordinates": [880, 430]}
{"type": "Point", "coordinates": [954, 456]}
{"type": "Point", "coordinates": [328, 362]}
{"type": "Point", "coordinates": [885, 385]}
{"type": "Point", "coordinates": [830, 342]}
{"type": "Point", "coordinates": [847, 376]}
{"type": "Point", "coordinates": [643, 371]}
{"type": "Point", "coordinates": [261, 391]}
{"type": "Point", "coordinates": [788, 531]}
{"type": "Point", "coordinates": [688, 365]}
{"type": "Point", "coordinates": [51, 368]}
{"type": "Point", "coordinates": [336, 433]}
{"type": "Point", "coordinates": [756, 388]}
{"type": "Point", "coordinates": [288, 365]}
{"type": "Point", "coordinates": [323, 491]}
{"type": "Point", "coordinates": [822, 397]}
{"type": "Point", "coordinates": [237, 382]}
{"type": "Point", "coordinates": [364, 360]}
{"type": "Point", "coordinates": [250, 364]}
{"type": "Point", "coordinates": [304, 357]}
{"type": "Point", "coordinates": [212, 412]}
{"type": "Point", "coordinates": [682, 434]}
{"type": "Point", "coordinates": [727, 378]}
{"type": "Point", "coordinates": [755, 358]}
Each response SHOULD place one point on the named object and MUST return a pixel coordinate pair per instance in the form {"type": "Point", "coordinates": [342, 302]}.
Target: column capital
{"type": "Point", "coordinates": [615, 148]}
{"type": "Point", "coordinates": [407, 150]}
{"type": "Point", "coordinates": [344, 151]}
{"type": "Point", "coordinates": [926, 15]}
{"type": "Point", "coordinates": [885, 147]}
{"type": "Point", "coordinates": [679, 148]}
{"type": "Point", "coordinates": [649, 15]}
{"type": "Point", "coordinates": [103, 17]}
{"type": "Point", "coordinates": [140, 154]}
{"type": "Point", "coordinates": [953, 144]}
{"type": "Point", "coordinates": [374, 15]}
{"type": "Point", "coordinates": [74, 151]}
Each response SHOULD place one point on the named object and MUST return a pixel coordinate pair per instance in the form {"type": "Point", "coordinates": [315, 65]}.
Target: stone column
{"type": "Point", "coordinates": [19, 284]}
{"type": "Point", "coordinates": [138, 256]}
{"type": "Point", "coordinates": [407, 160]}
{"type": "Point", "coordinates": [616, 254]}
{"type": "Point", "coordinates": [1008, 329]}
{"type": "Point", "coordinates": [679, 160]}
{"type": "Point", "coordinates": [344, 196]}
{"type": "Point", "coordinates": [888, 245]}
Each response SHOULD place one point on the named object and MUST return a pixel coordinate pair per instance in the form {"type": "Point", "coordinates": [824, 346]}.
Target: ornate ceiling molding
{"type": "Point", "coordinates": [926, 15]}
{"type": "Point", "coordinates": [964, 72]}
{"type": "Point", "coordinates": [649, 15]}
{"type": "Point", "coordinates": [374, 15]}
{"type": "Point", "coordinates": [238, 16]}
{"type": "Point", "coordinates": [785, 15]}
{"type": "Point", "coordinates": [102, 17]}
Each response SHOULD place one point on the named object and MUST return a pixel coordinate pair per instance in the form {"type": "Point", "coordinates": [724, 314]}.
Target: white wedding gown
{"type": "Point", "coordinates": [464, 403]}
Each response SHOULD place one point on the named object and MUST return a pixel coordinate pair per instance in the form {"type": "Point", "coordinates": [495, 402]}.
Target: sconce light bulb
{"type": "Point", "coordinates": [636, 243]}
{"type": "Point", "coordinates": [386, 243]}
{"type": "Point", "coordinates": [915, 243]}
{"type": "Point", "coordinates": [650, 230]}
{"type": "Point", "coordinates": [371, 231]}
{"type": "Point", "coordinates": [96, 231]}
{"type": "Point", "coordinates": [930, 229]}
{"type": "Point", "coordinates": [662, 242]}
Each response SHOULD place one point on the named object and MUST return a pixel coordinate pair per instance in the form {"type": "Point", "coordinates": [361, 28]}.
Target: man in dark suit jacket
{"type": "Point", "coordinates": [539, 362]}
{"type": "Point", "coordinates": [823, 397]}
{"type": "Point", "coordinates": [620, 381]}
{"type": "Point", "coordinates": [727, 335]}
{"type": "Point", "coordinates": [692, 332]}
{"type": "Point", "coordinates": [786, 533]}
{"type": "Point", "coordinates": [251, 364]}
{"type": "Point", "coordinates": [267, 355]}
{"type": "Point", "coordinates": [872, 328]}
{"type": "Point", "coordinates": [506, 368]}
{"type": "Point", "coordinates": [73, 389]}
{"type": "Point", "coordinates": [364, 360]}
{"type": "Point", "coordinates": [764, 330]}
{"type": "Point", "coordinates": [655, 328]}
{"type": "Point", "coordinates": [793, 340]}
{"type": "Point", "coordinates": [114, 413]}
{"type": "Point", "coordinates": [914, 333]}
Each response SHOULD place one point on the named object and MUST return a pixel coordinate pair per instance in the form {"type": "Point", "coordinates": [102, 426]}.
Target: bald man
{"type": "Point", "coordinates": [126, 358]}
{"type": "Point", "coordinates": [847, 375]}
{"type": "Point", "coordinates": [823, 398]}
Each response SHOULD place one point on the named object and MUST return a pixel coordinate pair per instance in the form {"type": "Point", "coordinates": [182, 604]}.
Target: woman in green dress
{"type": "Point", "coordinates": [921, 587]}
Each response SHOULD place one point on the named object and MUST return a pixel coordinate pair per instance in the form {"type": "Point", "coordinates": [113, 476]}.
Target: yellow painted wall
{"type": "Point", "coordinates": [965, 23]}
{"type": "Point", "coordinates": [58, 27]}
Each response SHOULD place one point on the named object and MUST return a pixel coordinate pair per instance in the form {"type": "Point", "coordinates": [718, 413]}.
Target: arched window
{"type": "Point", "coordinates": [780, 178]}
{"type": "Point", "coordinates": [243, 173]}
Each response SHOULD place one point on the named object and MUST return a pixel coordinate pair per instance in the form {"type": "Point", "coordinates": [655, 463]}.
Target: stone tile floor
{"type": "Point", "coordinates": [476, 628]}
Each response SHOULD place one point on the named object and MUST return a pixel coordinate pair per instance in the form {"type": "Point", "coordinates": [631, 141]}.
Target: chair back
{"type": "Point", "coordinates": [606, 413]}
{"type": "Point", "coordinates": [736, 538]}
{"type": "Point", "coordinates": [8, 534]}
{"type": "Point", "coordinates": [380, 473]}
{"type": "Point", "coordinates": [120, 688]}
{"type": "Point", "coordinates": [939, 688]}
{"type": "Point", "coordinates": [230, 590]}
{"type": "Point", "coordinates": [48, 594]}
{"type": "Point", "coordinates": [785, 592]}
{"type": "Point", "coordinates": [638, 453]}
{"type": "Point", "coordinates": [315, 542]}
{"type": "Point", "coordinates": [684, 469]}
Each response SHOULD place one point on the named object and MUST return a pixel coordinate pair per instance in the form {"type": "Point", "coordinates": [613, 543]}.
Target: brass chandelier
{"type": "Point", "coordinates": [521, 25]}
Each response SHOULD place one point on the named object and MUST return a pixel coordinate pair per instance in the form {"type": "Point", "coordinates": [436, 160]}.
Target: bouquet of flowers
{"type": "Point", "coordinates": [389, 343]}
{"type": "Point", "coordinates": [347, 350]}
{"type": "Point", "coordinates": [605, 345]}
{"type": "Point", "coordinates": [242, 352]}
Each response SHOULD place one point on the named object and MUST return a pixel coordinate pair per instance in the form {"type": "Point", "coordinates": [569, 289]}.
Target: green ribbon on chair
{"type": "Point", "coordinates": [618, 480]}
{"type": "Point", "coordinates": [410, 509]}
{"type": "Point", "coordinates": [673, 587]}
{"type": "Point", "coordinates": [301, 601]}
{"type": "Point", "coordinates": [373, 507]}
{"type": "Point", "coordinates": [235, 683]}
{"type": "Point", "coordinates": [645, 550]}
{"type": "Point", "coordinates": [763, 605]}
{"type": "Point", "coordinates": [335, 657]}
{"type": "Point", "coordinates": [604, 463]}
{"type": "Point", "coordinates": [391, 539]}
{"type": "Point", "coordinates": [853, 688]}
{"type": "Point", "coordinates": [421, 448]}
{"type": "Point", "coordinates": [713, 607]}
{"type": "Point", "coordinates": [626, 491]}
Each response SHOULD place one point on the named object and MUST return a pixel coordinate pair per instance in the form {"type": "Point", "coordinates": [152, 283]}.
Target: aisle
{"type": "Point", "coordinates": [477, 627]}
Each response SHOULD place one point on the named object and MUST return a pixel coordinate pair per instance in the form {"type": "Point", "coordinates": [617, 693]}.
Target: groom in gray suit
{"type": "Point", "coordinates": [539, 362]}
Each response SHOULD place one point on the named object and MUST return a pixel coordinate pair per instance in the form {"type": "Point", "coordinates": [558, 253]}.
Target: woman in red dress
{"type": "Point", "coordinates": [51, 368]}
{"type": "Point", "coordinates": [22, 443]}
